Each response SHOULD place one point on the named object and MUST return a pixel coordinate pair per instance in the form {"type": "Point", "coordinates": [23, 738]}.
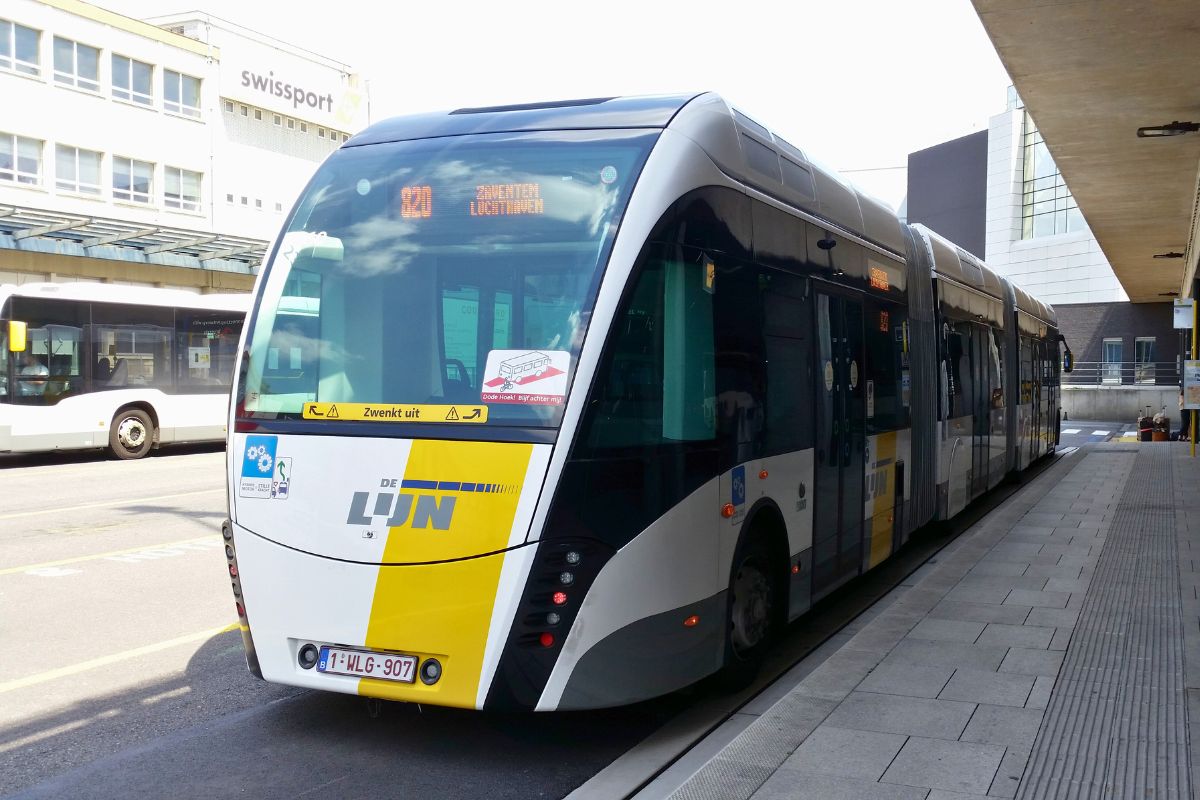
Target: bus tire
{"type": "Point", "coordinates": [751, 617]}
{"type": "Point", "coordinates": [131, 435]}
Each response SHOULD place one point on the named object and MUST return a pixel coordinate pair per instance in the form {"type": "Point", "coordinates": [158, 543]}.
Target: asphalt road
{"type": "Point", "coordinates": [121, 676]}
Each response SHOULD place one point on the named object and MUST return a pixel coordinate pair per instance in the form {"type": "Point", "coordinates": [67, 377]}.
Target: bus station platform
{"type": "Point", "coordinates": [1050, 651]}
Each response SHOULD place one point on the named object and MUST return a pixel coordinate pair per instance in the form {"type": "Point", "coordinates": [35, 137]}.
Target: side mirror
{"type": "Point", "coordinates": [1068, 358]}
{"type": "Point", "coordinates": [17, 335]}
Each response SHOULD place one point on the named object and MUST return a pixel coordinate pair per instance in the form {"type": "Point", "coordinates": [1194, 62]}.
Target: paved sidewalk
{"type": "Point", "coordinates": [1043, 654]}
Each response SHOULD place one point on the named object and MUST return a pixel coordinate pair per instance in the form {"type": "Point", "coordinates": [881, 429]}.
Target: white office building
{"type": "Point", "coordinates": [165, 151]}
{"type": "Point", "coordinates": [1034, 232]}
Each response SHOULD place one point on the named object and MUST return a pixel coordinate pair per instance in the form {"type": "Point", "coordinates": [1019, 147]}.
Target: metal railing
{"type": "Point", "coordinates": [1123, 373]}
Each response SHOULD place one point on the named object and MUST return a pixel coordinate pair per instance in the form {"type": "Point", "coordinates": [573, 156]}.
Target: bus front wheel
{"type": "Point", "coordinates": [751, 613]}
{"type": "Point", "coordinates": [131, 434]}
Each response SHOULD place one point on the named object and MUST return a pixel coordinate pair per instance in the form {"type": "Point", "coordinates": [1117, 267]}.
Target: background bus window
{"type": "Point", "coordinates": [205, 350]}
{"type": "Point", "coordinates": [131, 346]}
{"type": "Point", "coordinates": [50, 368]}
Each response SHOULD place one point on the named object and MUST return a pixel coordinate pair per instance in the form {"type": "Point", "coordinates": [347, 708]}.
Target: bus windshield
{"type": "Point", "coordinates": [458, 270]}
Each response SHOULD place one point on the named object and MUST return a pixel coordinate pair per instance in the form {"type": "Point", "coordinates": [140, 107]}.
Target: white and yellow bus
{"type": "Point", "coordinates": [753, 383]}
{"type": "Point", "coordinates": [124, 367]}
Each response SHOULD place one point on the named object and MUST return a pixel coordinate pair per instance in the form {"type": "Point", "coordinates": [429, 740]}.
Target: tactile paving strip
{"type": "Point", "coordinates": [1116, 724]}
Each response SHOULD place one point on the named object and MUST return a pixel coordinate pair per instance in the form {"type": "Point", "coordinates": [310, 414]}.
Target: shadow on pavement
{"type": "Point", "coordinates": [215, 731]}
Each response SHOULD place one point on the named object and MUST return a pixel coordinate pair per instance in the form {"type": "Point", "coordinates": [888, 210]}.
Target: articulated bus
{"type": "Point", "coordinates": [123, 367]}
{"type": "Point", "coordinates": [570, 405]}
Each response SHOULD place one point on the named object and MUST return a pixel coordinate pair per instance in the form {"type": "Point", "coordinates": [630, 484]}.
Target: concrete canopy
{"type": "Point", "coordinates": [1091, 73]}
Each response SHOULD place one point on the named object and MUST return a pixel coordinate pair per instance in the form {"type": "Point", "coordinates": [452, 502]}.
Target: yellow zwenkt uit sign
{"type": "Point", "coordinates": [396, 412]}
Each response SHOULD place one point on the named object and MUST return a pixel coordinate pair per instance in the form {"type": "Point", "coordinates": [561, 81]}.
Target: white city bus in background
{"type": "Point", "coordinates": [123, 367]}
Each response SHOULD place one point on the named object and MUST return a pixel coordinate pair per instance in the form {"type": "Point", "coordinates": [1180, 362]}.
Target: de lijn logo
{"type": "Point", "coordinates": [264, 473]}
{"type": "Point", "coordinates": [412, 503]}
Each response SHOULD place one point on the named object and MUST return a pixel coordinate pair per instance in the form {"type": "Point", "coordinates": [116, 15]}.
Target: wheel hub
{"type": "Point", "coordinates": [751, 608]}
{"type": "Point", "coordinates": [131, 433]}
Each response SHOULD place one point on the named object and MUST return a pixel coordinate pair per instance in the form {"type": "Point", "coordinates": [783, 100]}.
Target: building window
{"type": "Point", "coordinates": [304, 127]}
{"type": "Point", "coordinates": [1047, 206]}
{"type": "Point", "coordinates": [320, 133]}
{"type": "Point", "coordinates": [245, 200]}
{"type": "Point", "coordinates": [345, 137]}
{"type": "Point", "coordinates": [1110, 370]}
{"type": "Point", "coordinates": [181, 189]}
{"type": "Point", "coordinates": [258, 204]}
{"type": "Point", "coordinates": [228, 106]}
{"type": "Point", "coordinates": [132, 80]}
{"type": "Point", "coordinates": [1143, 359]}
{"type": "Point", "coordinates": [19, 48]}
{"type": "Point", "coordinates": [132, 180]}
{"type": "Point", "coordinates": [258, 114]}
{"type": "Point", "coordinates": [77, 170]}
{"type": "Point", "coordinates": [278, 120]}
{"type": "Point", "coordinates": [181, 93]}
{"type": "Point", "coordinates": [278, 207]}
{"type": "Point", "coordinates": [76, 64]}
{"type": "Point", "coordinates": [291, 124]}
{"type": "Point", "coordinates": [20, 159]}
{"type": "Point", "coordinates": [229, 199]}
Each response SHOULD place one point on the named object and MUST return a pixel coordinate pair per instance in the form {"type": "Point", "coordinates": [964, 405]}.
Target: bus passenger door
{"type": "Point", "coordinates": [840, 440]}
{"type": "Point", "coordinates": [981, 444]}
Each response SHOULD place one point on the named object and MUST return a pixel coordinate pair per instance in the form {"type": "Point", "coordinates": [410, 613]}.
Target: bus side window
{"type": "Point", "coordinates": [657, 383]}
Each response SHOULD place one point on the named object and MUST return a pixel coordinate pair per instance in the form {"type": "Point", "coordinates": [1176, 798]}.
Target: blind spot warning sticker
{"type": "Point", "coordinates": [526, 377]}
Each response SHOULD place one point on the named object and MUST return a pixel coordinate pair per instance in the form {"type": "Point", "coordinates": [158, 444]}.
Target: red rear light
{"type": "Point", "coordinates": [546, 639]}
{"type": "Point", "coordinates": [241, 609]}
{"type": "Point", "coordinates": [233, 570]}
{"type": "Point", "coordinates": [559, 598]}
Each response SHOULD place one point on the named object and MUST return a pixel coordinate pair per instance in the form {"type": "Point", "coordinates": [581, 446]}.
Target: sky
{"type": "Point", "coordinates": [858, 84]}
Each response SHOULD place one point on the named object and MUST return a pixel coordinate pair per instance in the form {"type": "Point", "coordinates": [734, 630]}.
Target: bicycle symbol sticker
{"type": "Point", "coordinates": [526, 377]}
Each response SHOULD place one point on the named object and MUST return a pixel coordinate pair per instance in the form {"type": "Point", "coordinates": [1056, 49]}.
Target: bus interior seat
{"type": "Point", "coordinates": [120, 373]}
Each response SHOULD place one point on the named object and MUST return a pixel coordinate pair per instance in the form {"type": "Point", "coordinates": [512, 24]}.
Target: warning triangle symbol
{"type": "Point", "coordinates": [453, 415]}
{"type": "Point", "coordinates": [331, 413]}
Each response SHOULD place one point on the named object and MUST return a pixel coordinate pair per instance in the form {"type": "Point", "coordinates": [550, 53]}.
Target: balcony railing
{"type": "Point", "coordinates": [1123, 373]}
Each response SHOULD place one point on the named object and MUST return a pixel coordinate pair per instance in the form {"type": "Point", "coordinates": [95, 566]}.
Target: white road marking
{"type": "Point", "coordinates": [143, 553]}
{"type": "Point", "coordinates": [53, 572]}
{"type": "Point", "coordinates": [1101, 433]}
{"type": "Point", "coordinates": [1070, 430]}
{"type": "Point", "coordinates": [84, 666]}
{"type": "Point", "coordinates": [109, 504]}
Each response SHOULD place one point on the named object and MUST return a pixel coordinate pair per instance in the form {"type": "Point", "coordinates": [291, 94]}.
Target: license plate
{"type": "Point", "coordinates": [365, 664]}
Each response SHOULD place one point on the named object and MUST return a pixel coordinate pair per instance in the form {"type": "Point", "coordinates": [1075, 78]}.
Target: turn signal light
{"type": "Point", "coordinates": [546, 639]}
{"type": "Point", "coordinates": [762, 475]}
{"type": "Point", "coordinates": [727, 510]}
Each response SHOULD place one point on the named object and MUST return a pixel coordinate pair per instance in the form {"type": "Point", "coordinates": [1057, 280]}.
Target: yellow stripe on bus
{"type": "Point", "coordinates": [445, 610]}
{"type": "Point", "coordinates": [882, 525]}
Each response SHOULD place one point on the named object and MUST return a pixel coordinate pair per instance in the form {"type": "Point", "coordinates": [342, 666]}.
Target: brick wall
{"type": "Point", "coordinates": [1087, 325]}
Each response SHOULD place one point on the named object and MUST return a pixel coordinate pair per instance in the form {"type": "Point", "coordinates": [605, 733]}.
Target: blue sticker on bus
{"type": "Point", "coordinates": [739, 485]}
{"type": "Point", "coordinates": [259, 458]}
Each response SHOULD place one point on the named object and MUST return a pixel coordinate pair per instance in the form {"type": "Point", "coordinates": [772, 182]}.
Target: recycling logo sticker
{"type": "Point", "coordinates": [259, 467]}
